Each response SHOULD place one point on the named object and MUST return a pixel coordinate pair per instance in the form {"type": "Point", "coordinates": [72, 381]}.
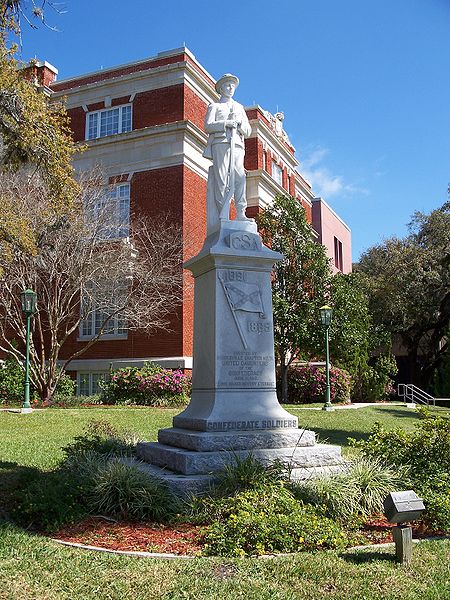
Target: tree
{"type": "Point", "coordinates": [357, 344]}
{"type": "Point", "coordinates": [13, 12]}
{"type": "Point", "coordinates": [409, 286]}
{"type": "Point", "coordinates": [300, 283]}
{"type": "Point", "coordinates": [34, 132]}
{"type": "Point", "coordinates": [84, 265]}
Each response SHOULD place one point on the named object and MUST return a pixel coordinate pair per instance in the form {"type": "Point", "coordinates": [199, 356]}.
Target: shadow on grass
{"type": "Point", "coordinates": [359, 558]}
{"type": "Point", "coordinates": [13, 478]}
{"type": "Point", "coordinates": [339, 436]}
{"type": "Point", "coordinates": [39, 500]}
{"type": "Point", "coordinates": [397, 412]}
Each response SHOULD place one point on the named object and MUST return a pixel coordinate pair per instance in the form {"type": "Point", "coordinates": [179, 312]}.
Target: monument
{"type": "Point", "coordinates": [234, 408]}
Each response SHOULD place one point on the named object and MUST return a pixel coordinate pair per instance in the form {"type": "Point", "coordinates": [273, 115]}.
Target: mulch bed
{"type": "Point", "coordinates": [378, 530]}
{"type": "Point", "coordinates": [181, 539]}
{"type": "Point", "coordinates": [184, 538]}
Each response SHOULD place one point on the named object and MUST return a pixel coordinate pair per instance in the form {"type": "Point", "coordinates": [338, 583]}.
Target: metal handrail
{"type": "Point", "coordinates": [414, 394]}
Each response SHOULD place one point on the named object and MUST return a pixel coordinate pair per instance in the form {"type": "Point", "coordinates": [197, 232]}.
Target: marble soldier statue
{"type": "Point", "coordinates": [227, 125]}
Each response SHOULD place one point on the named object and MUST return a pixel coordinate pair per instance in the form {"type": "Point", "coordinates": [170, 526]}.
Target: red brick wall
{"type": "Point", "coordinates": [157, 107]}
{"type": "Point", "coordinates": [253, 154]}
{"type": "Point", "coordinates": [119, 72]}
{"type": "Point", "coordinates": [308, 210]}
{"type": "Point", "coordinates": [194, 233]}
{"type": "Point", "coordinates": [78, 123]}
{"type": "Point", "coordinates": [40, 75]}
{"type": "Point", "coordinates": [153, 193]}
{"type": "Point", "coordinates": [126, 70]}
{"type": "Point", "coordinates": [194, 108]}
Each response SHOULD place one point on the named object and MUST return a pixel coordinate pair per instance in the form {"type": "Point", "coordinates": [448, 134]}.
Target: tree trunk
{"type": "Point", "coordinates": [284, 382]}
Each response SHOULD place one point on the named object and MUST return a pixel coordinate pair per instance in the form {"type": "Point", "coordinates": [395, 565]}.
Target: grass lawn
{"type": "Point", "coordinates": [35, 568]}
{"type": "Point", "coordinates": [32, 567]}
{"type": "Point", "coordinates": [36, 439]}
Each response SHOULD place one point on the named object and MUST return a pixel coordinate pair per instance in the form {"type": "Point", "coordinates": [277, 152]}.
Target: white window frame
{"type": "Point", "coordinates": [119, 227]}
{"type": "Point", "coordinates": [91, 378]}
{"type": "Point", "coordinates": [87, 329]}
{"type": "Point", "coordinates": [120, 128]}
{"type": "Point", "coordinates": [117, 330]}
{"type": "Point", "coordinates": [277, 173]}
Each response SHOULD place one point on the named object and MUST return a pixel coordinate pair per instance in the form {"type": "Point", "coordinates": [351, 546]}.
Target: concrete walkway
{"type": "Point", "coordinates": [356, 405]}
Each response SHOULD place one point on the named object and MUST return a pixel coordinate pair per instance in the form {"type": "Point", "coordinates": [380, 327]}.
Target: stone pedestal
{"type": "Point", "coordinates": [234, 408]}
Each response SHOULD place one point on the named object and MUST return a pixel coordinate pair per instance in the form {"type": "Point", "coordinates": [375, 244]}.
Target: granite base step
{"type": "Point", "coordinates": [210, 441]}
{"type": "Point", "coordinates": [186, 486]}
{"type": "Point", "coordinates": [191, 462]}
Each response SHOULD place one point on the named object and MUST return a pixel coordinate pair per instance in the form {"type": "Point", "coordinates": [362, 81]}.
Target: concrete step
{"type": "Point", "coordinates": [190, 462]}
{"type": "Point", "coordinates": [210, 441]}
{"type": "Point", "coordinates": [193, 485]}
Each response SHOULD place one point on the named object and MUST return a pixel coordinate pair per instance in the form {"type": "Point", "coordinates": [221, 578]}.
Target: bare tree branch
{"type": "Point", "coordinates": [85, 275]}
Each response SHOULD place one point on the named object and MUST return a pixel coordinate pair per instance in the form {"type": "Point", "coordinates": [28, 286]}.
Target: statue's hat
{"type": "Point", "coordinates": [226, 77]}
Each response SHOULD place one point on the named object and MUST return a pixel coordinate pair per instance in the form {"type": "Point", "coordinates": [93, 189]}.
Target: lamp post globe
{"type": "Point", "coordinates": [326, 314]}
{"type": "Point", "coordinates": [28, 301]}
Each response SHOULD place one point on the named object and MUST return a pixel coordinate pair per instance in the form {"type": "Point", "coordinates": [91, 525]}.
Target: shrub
{"type": "Point", "coordinates": [92, 478]}
{"type": "Point", "coordinates": [103, 438]}
{"type": "Point", "coordinates": [436, 497]}
{"type": "Point", "coordinates": [372, 383]}
{"type": "Point", "coordinates": [65, 388]}
{"type": "Point", "coordinates": [11, 382]}
{"type": "Point", "coordinates": [424, 454]}
{"type": "Point", "coordinates": [359, 491]}
{"type": "Point", "coordinates": [268, 519]}
{"type": "Point", "coordinates": [150, 385]}
{"type": "Point", "coordinates": [75, 401]}
{"type": "Point", "coordinates": [49, 500]}
{"type": "Point", "coordinates": [307, 383]}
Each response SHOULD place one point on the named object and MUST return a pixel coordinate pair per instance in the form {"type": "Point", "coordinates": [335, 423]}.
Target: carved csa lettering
{"type": "Point", "coordinates": [245, 241]}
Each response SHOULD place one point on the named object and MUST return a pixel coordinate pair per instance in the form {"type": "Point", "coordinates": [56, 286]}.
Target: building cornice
{"type": "Point", "coordinates": [266, 135]}
{"type": "Point", "coordinates": [183, 50]}
{"type": "Point", "coordinates": [321, 201]}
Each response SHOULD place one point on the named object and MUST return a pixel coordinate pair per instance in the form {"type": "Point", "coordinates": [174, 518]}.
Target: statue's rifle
{"type": "Point", "coordinates": [229, 189]}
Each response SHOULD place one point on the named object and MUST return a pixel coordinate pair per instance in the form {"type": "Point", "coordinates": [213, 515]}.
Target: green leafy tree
{"type": "Point", "coordinates": [300, 282]}
{"type": "Point", "coordinates": [34, 133]}
{"type": "Point", "coordinates": [357, 344]}
{"type": "Point", "coordinates": [409, 289]}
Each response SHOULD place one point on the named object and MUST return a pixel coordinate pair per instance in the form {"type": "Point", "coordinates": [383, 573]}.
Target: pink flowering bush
{"type": "Point", "coordinates": [307, 383]}
{"type": "Point", "coordinates": [150, 385]}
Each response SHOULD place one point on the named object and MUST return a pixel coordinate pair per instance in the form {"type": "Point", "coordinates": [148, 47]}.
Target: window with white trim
{"type": "Point", "coordinates": [113, 208]}
{"type": "Point", "coordinates": [88, 383]}
{"type": "Point", "coordinates": [91, 326]}
{"type": "Point", "coordinates": [102, 317]}
{"type": "Point", "coordinates": [277, 173]}
{"type": "Point", "coordinates": [109, 121]}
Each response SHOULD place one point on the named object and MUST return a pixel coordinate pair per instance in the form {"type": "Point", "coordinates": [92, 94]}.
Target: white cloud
{"type": "Point", "coordinates": [325, 183]}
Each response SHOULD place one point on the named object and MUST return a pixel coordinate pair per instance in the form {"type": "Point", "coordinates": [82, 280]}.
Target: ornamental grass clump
{"type": "Point", "coordinates": [247, 473]}
{"type": "Point", "coordinates": [307, 383]}
{"type": "Point", "coordinates": [357, 492]}
{"type": "Point", "coordinates": [150, 385]}
{"type": "Point", "coordinates": [122, 491]}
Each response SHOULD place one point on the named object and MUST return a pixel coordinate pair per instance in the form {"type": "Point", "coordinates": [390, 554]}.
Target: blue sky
{"type": "Point", "coordinates": [364, 85]}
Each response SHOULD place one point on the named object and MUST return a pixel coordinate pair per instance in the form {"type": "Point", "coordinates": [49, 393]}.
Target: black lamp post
{"type": "Point", "coordinates": [326, 313]}
{"type": "Point", "coordinates": [28, 299]}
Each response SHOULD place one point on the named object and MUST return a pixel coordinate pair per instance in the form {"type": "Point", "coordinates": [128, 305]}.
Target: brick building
{"type": "Point", "coordinates": [143, 123]}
